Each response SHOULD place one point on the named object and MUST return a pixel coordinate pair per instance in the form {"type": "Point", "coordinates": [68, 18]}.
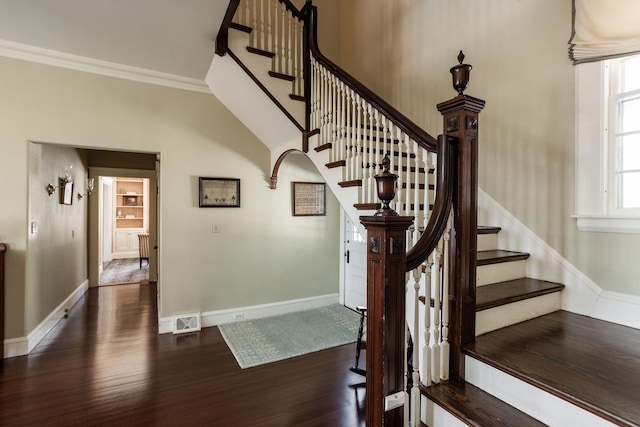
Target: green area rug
{"type": "Point", "coordinates": [260, 341]}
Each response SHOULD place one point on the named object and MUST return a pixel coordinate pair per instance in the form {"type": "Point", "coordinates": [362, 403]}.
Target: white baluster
{"type": "Point", "coordinates": [444, 343]}
{"type": "Point", "coordinates": [401, 175]}
{"type": "Point", "coordinates": [254, 24]}
{"type": "Point", "coordinates": [358, 148]}
{"type": "Point", "coordinates": [283, 38]}
{"type": "Point", "coordinates": [415, 358]}
{"type": "Point", "coordinates": [367, 190]}
{"type": "Point", "coordinates": [436, 276]}
{"type": "Point", "coordinates": [377, 152]}
{"type": "Point", "coordinates": [269, 46]}
{"type": "Point", "coordinates": [296, 40]}
{"type": "Point", "coordinates": [426, 350]}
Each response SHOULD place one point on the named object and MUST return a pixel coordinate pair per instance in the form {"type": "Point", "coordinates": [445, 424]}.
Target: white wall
{"type": "Point", "coordinates": [262, 254]}
{"type": "Point", "coordinates": [403, 50]}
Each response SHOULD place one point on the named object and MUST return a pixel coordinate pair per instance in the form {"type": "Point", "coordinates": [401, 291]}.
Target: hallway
{"type": "Point", "coordinates": [106, 365]}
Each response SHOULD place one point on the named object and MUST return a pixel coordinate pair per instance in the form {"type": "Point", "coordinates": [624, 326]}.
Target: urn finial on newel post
{"type": "Point", "coordinates": [386, 184]}
{"type": "Point", "coordinates": [460, 74]}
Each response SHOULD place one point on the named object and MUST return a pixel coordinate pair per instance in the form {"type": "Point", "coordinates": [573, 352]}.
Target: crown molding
{"type": "Point", "coordinates": [89, 65]}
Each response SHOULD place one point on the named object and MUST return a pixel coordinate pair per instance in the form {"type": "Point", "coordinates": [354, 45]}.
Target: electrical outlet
{"type": "Point", "coordinates": [238, 316]}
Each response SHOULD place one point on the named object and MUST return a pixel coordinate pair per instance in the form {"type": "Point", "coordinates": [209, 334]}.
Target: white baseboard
{"type": "Point", "coordinates": [21, 346]}
{"type": "Point", "coordinates": [219, 317]}
{"type": "Point", "coordinates": [581, 294]}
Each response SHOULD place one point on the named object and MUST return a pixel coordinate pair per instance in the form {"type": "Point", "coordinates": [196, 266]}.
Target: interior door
{"type": "Point", "coordinates": [355, 267]}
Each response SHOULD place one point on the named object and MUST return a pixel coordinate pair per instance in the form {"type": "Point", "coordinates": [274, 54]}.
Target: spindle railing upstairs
{"type": "Point", "coordinates": [432, 215]}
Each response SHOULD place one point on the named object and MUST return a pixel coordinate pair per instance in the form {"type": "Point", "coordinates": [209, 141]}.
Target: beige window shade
{"type": "Point", "coordinates": [604, 29]}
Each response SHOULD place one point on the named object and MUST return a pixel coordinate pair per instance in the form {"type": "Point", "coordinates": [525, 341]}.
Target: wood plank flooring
{"type": "Point", "coordinates": [106, 365]}
{"type": "Point", "coordinates": [589, 362]}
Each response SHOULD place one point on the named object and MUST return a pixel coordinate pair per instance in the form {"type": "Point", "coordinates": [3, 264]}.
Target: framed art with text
{"type": "Point", "coordinates": [309, 199]}
{"type": "Point", "coordinates": [219, 192]}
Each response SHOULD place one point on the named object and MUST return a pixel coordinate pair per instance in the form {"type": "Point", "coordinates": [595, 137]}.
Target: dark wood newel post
{"type": "Point", "coordinates": [386, 261]}
{"type": "Point", "coordinates": [461, 121]}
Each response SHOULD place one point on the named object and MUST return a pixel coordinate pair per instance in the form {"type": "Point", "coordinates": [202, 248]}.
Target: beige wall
{"type": "Point", "coordinates": [57, 252]}
{"type": "Point", "coordinates": [404, 49]}
{"type": "Point", "coordinates": [261, 255]}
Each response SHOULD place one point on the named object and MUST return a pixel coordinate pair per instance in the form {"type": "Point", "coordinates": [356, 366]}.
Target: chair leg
{"type": "Point", "coordinates": [359, 344]}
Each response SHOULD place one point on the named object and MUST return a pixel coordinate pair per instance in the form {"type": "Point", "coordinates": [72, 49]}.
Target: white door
{"type": "Point", "coordinates": [355, 267]}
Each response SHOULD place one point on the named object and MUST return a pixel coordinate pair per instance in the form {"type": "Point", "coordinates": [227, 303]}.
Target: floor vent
{"type": "Point", "coordinates": [186, 323]}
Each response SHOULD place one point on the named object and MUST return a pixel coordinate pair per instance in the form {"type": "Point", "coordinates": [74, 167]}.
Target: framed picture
{"type": "Point", "coordinates": [66, 193]}
{"type": "Point", "coordinates": [130, 201]}
{"type": "Point", "coordinates": [309, 199]}
{"type": "Point", "coordinates": [219, 192]}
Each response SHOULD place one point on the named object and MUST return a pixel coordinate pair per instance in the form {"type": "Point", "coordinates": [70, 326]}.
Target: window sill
{"type": "Point", "coordinates": [608, 224]}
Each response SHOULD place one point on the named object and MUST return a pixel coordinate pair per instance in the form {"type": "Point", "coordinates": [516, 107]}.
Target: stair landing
{"type": "Point", "coordinates": [590, 363]}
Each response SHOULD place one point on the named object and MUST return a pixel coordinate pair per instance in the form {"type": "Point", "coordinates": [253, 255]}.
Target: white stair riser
{"type": "Point", "coordinates": [487, 242]}
{"type": "Point", "coordinates": [516, 312]}
{"type": "Point", "coordinates": [531, 400]}
{"type": "Point", "coordinates": [501, 272]}
{"type": "Point", "coordinates": [260, 66]}
{"type": "Point", "coordinates": [433, 414]}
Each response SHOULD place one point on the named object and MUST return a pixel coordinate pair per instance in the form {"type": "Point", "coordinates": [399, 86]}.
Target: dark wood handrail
{"type": "Point", "coordinates": [414, 131]}
{"type": "Point", "coordinates": [222, 39]}
{"type": "Point", "coordinates": [294, 10]}
{"type": "Point", "coordinates": [445, 186]}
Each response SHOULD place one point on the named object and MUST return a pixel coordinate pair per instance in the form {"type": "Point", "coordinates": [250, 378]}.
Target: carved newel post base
{"type": "Point", "coordinates": [386, 261]}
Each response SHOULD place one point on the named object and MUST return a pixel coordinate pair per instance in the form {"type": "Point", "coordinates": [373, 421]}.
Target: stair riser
{"type": "Point", "coordinates": [531, 400]}
{"type": "Point", "coordinates": [487, 242]}
{"type": "Point", "coordinates": [433, 415]}
{"type": "Point", "coordinates": [516, 312]}
{"type": "Point", "coordinates": [501, 272]}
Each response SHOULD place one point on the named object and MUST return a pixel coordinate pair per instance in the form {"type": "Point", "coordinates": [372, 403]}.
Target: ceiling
{"type": "Point", "coordinates": [168, 36]}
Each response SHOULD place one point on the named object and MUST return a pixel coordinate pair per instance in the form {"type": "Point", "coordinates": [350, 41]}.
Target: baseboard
{"type": "Point", "coordinates": [125, 255]}
{"type": "Point", "coordinates": [21, 346]}
{"type": "Point", "coordinates": [219, 317]}
{"type": "Point", "coordinates": [581, 294]}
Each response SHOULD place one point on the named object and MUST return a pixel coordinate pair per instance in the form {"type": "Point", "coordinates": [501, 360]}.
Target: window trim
{"type": "Point", "coordinates": [592, 166]}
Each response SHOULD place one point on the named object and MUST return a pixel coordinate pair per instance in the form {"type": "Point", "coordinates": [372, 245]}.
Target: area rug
{"type": "Point", "coordinates": [260, 341]}
{"type": "Point", "coordinates": [124, 271]}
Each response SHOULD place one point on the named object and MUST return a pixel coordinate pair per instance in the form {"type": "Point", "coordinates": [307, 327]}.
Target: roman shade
{"type": "Point", "coordinates": [604, 29]}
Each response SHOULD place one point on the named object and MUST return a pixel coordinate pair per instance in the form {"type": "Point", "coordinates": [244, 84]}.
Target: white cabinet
{"type": "Point", "coordinates": [130, 215]}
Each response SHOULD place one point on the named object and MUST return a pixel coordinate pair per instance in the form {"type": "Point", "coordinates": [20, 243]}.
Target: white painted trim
{"type": "Point", "coordinates": [219, 317]}
{"type": "Point", "coordinates": [539, 404]}
{"type": "Point", "coordinates": [21, 346]}
{"type": "Point", "coordinates": [581, 294]}
{"type": "Point", "coordinates": [89, 65]}
{"type": "Point", "coordinates": [608, 224]}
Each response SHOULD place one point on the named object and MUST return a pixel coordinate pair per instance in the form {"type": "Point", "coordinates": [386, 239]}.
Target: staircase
{"type": "Point", "coordinates": [346, 131]}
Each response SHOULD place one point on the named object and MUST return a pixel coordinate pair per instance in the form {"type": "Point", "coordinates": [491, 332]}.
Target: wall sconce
{"type": "Point", "coordinates": [89, 189]}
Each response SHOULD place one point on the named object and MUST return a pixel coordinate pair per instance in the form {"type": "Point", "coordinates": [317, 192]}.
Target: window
{"type": "Point", "coordinates": [624, 135]}
{"type": "Point", "coordinates": [608, 145]}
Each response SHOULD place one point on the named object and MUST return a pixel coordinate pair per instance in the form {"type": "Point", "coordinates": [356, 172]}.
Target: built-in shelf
{"type": "Point", "coordinates": [130, 198]}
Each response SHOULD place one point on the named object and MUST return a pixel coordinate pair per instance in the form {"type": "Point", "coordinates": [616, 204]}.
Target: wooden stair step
{"type": "Point", "coordinates": [497, 256]}
{"type": "Point", "coordinates": [260, 52]}
{"type": "Point", "coordinates": [475, 407]}
{"type": "Point", "coordinates": [240, 27]}
{"type": "Point", "coordinates": [281, 76]}
{"type": "Point", "coordinates": [297, 97]}
{"type": "Point", "coordinates": [485, 229]}
{"type": "Point", "coordinates": [336, 164]}
{"type": "Point", "coordinates": [323, 147]}
{"type": "Point", "coordinates": [354, 183]}
{"type": "Point", "coordinates": [367, 206]}
{"type": "Point", "coordinates": [502, 293]}
{"type": "Point", "coordinates": [590, 363]}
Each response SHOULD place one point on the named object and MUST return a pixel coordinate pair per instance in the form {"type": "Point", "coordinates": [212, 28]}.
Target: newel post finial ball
{"type": "Point", "coordinates": [460, 74]}
{"type": "Point", "coordinates": [386, 183]}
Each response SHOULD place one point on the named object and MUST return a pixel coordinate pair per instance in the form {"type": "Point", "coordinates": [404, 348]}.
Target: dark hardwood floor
{"type": "Point", "coordinates": [106, 365]}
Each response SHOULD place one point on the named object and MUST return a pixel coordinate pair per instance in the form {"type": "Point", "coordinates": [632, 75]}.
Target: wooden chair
{"type": "Point", "coordinates": [361, 343]}
{"type": "Point", "coordinates": [143, 244]}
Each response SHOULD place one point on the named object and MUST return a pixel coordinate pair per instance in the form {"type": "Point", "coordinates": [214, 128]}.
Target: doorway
{"type": "Point", "coordinates": [125, 207]}
{"type": "Point", "coordinates": [355, 263]}
{"type": "Point", "coordinates": [124, 219]}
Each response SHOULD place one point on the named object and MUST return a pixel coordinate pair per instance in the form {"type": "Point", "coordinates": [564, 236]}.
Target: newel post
{"type": "Point", "coordinates": [461, 121]}
{"type": "Point", "coordinates": [386, 261]}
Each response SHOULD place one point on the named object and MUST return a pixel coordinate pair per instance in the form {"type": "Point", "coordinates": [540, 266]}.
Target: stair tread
{"type": "Point", "coordinates": [589, 362]}
{"type": "Point", "coordinates": [496, 256]}
{"type": "Point", "coordinates": [502, 293]}
{"type": "Point", "coordinates": [485, 229]}
{"type": "Point", "coordinates": [476, 407]}
{"type": "Point", "coordinates": [240, 27]}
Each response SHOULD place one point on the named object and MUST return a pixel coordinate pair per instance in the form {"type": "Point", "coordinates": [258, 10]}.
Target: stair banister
{"type": "Point", "coordinates": [418, 134]}
{"type": "Point", "coordinates": [222, 39]}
